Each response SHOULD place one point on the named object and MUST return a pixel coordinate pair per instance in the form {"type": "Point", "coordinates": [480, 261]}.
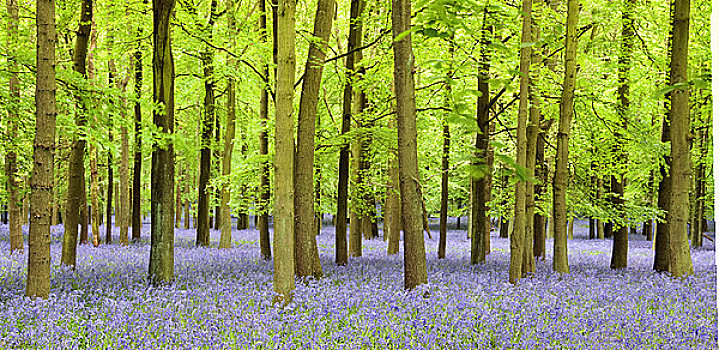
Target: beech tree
{"type": "Point", "coordinates": [75, 203]}
{"type": "Point", "coordinates": [307, 259]}
{"type": "Point", "coordinates": [162, 238]}
{"type": "Point", "coordinates": [41, 180]}
{"type": "Point", "coordinates": [560, 260]}
{"type": "Point", "coordinates": [680, 263]}
{"type": "Point", "coordinates": [415, 260]}
{"type": "Point", "coordinates": [284, 213]}
{"type": "Point", "coordinates": [11, 164]}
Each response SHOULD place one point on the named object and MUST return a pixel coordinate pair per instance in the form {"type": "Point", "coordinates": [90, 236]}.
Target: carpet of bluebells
{"type": "Point", "coordinates": [221, 299]}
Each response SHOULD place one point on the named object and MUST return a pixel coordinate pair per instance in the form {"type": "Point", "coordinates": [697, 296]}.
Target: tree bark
{"type": "Point", "coordinates": [225, 215]}
{"type": "Point", "coordinates": [355, 34]}
{"type": "Point", "coordinates": [76, 164]}
{"type": "Point", "coordinates": [93, 151]}
{"type": "Point", "coordinates": [163, 158]}
{"type": "Point", "coordinates": [680, 263]}
{"type": "Point", "coordinates": [444, 200]}
{"type": "Point", "coordinates": [415, 260]}
{"type": "Point", "coordinates": [42, 178]}
{"type": "Point", "coordinates": [517, 239]}
{"type": "Point", "coordinates": [540, 221]}
{"type": "Point", "coordinates": [110, 186]}
{"type": "Point", "coordinates": [528, 263]}
{"type": "Point", "coordinates": [14, 201]}
{"type": "Point", "coordinates": [208, 116]}
{"type": "Point", "coordinates": [393, 215]}
{"type": "Point", "coordinates": [263, 219]}
{"type": "Point", "coordinates": [122, 201]}
{"type": "Point", "coordinates": [307, 259]}
{"type": "Point", "coordinates": [284, 213]}
{"type": "Point", "coordinates": [561, 177]}
{"type": "Point", "coordinates": [482, 172]}
{"type": "Point", "coordinates": [620, 244]}
{"type": "Point", "coordinates": [137, 156]}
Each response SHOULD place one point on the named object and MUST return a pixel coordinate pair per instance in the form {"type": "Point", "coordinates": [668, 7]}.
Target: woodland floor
{"type": "Point", "coordinates": [221, 300]}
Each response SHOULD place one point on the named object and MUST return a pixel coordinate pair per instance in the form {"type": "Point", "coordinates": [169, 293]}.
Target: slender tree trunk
{"type": "Point", "coordinates": [123, 213]}
{"type": "Point", "coordinates": [96, 212]}
{"type": "Point", "coordinates": [504, 219]}
{"type": "Point", "coordinates": [528, 263]}
{"type": "Point", "coordinates": [208, 115]}
{"type": "Point", "coordinates": [137, 156]}
{"type": "Point", "coordinates": [355, 234]}
{"type": "Point", "coordinates": [122, 200]}
{"type": "Point", "coordinates": [488, 188]}
{"type": "Point", "coordinates": [110, 187]}
{"type": "Point", "coordinates": [263, 219]}
{"type": "Point", "coordinates": [393, 215]}
{"type": "Point", "coordinates": [355, 34]}
{"type": "Point", "coordinates": [482, 173]}
{"type": "Point", "coordinates": [76, 165]}
{"type": "Point", "coordinates": [307, 259]}
{"type": "Point", "coordinates": [699, 191]}
{"type": "Point", "coordinates": [216, 169]}
{"type": "Point", "coordinates": [561, 176]}
{"type": "Point", "coordinates": [517, 239]}
{"type": "Point", "coordinates": [84, 217]}
{"type": "Point", "coordinates": [188, 205]}
{"type": "Point", "coordinates": [11, 165]}
{"type": "Point", "coordinates": [680, 263]}
{"type": "Point", "coordinates": [225, 215]}
{"type": "Point", "coordinates": [415, 259]}
{"type": "Point", "coordinates": [162, 213]}
{"type": "Point", "coordinates": [444, 200]}
{"type": "Point", "coordinates": [540, 221]}
{"type": "Point", "coordinates": [42, 178]}
{"type": "Point", "coordinates": [620, 244]}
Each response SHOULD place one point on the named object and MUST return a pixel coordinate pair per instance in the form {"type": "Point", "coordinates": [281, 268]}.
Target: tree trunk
{"type": "Point", "coordinates": [110, 187]}
{"type": "Point", "coordinates": [415, 260]}
{"type": "Point", "coordinates": [284, 213]}
{"type": "Point", "coordinates": [482, 171]}
{"type": "Point", "coordinates": [540, 220]}
{"type": "Point", "coordinates": [680, 263]}
{"type": "Point", "coordinates": [93, 151]}
{"type": "Point", "coordinates": [504, 219]}
{"type": "Point", "coordinates": [76, 163]}
{"type": "Point", "coordinates": [225, 215]}
{"type": "Point", "coordinates": [355, 35]}
{"type": "Point", "coordinates": [355, 234]}
{"type": "Point", "coordinates": [488, 188]}
{"type": "Point", "coordinates": [393, 215]}
{"type": "Point", "coordinates": [561, 176]}
{"type": "Point", "coordinates": [14, 201]}
{"type": "Point", "coordinates": [528, 263]}
{"type": "Point", "coordinates": [163, 157]}
{"type": "Point", "coordinates": [42, 178]}
{"type": "Point", "coordinates": [137, 156]}
{"type": "Point", "coordinates": [188, 205]}
{"type": "Point", "coordinates": [620, 242]}
{"type": "Point", "coordinates": [517, 239]}
{"type": "Point", "coordinates": [263, 219]}
{"type": "Point", "coordinates": [444, 200]}
{"type": "Point", "coordinates": [203, 205]}
{"type": "Point", "coordinates": [307, 259]}
{"type": "Point", "coordinates": [84, 217]}
{"type": "Point", "coordinates": [178, 202]}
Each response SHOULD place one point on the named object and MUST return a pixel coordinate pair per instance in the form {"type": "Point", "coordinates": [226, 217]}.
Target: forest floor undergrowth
{"type": "Point", "coordinates": [221, 299]}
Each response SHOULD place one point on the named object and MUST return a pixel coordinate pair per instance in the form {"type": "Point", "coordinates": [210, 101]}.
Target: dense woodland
{"type": "Point", "coordinates": [197, 114]}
